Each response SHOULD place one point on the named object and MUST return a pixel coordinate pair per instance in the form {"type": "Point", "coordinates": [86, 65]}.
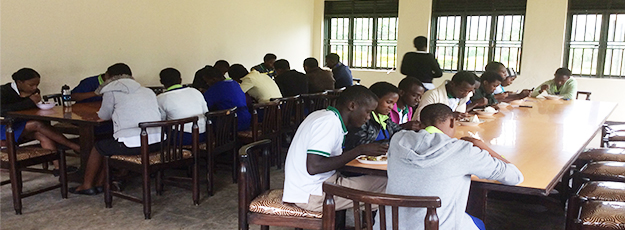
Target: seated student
{"type": "Point", "coordinates": [178, 102]}
{"type": "Point", "coordinates": [317, 151]}
{"type": "Point", "coordinates": [508, 76]}
{"type": "Point", "coordinates": [319, 80]}
{"type": "Point", "coordinates": [290, 81]}
{"type": "Point", "coordinates": [127, 103]}
{"type": "Point", "coordinates": [379, 128]}
{"type": "Point", "coordinates": [23, 94]}
{"type": "Point", "coordinates": [225, 94]}
{"type": "Point", "coordinates": [267, 66]}
{"type": "Point", "coordinates": [342, 74]}
{"type": "Point", "coordinates": [562, 84]}
{"type": "Point", "coordinates": [433, 163]}
{"type": "Point", "coordinates": [484, 95]}
{"type": "Point", "coordinates": [259, 86]}
{"type": "Point", "coordinates": [410, 92]}
{"type": "Point", "coordinates": [421, 64]}
{"type": "Point", "coordinates": [454, 94]}
{"type": "Point", "coordinates": [85, 90]}
{"type": "Point", "coordinates": [222, 66]}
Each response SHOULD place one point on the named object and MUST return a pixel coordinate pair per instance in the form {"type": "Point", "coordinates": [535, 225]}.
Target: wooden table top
{"type": "Point", "coordinates": [542, 141]}
{"type": "Point", "coordinates": [79, 113]}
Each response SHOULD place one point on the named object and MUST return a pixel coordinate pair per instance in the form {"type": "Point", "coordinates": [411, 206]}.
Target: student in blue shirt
{"type": "Point", "coordinates": [85, 91]}
{"type": "Point", "coordinates": [225, 94]}
{"type": "Point", "coordinates": [342, 74]}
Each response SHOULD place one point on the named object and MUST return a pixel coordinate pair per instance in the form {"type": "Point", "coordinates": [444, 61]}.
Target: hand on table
{"type": "Point", "coordinates": [543, 88]}
{"type": "Point", "coordinates": [501, 96]}
{"type": "Point", "coordinates": [372, 149]}
{"type": "Point", "coordinates": [412, 125]}
{"type": "Point", "coordinates": [524, 93]}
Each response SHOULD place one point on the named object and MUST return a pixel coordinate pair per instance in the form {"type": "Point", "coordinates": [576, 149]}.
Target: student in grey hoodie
{"type": "Point", "coordinates": [433, 163]}
{"type": "Point", "coordinates": [127, 103]}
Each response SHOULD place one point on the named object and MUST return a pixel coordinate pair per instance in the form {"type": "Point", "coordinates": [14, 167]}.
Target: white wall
{"type": "Point", "coordinates": [68, 40]}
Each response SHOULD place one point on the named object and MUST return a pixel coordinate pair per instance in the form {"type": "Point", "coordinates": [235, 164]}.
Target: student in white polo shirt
{"type": "Point", "coordinates": [317, 151]}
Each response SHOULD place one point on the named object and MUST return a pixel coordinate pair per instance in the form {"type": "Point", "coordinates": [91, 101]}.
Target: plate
{"type": "Point", "coordinates": [552, 97]}
{"type": "Point", "coordinates": [484, 113]}
{"type": "Point", "coordinates": [467, 123]}
{"type": "Point", "coordinates": [380, 160]}
{"type": "Point", "coordinates": [45, 106]}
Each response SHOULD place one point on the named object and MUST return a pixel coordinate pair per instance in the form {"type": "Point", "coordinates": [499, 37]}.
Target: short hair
{"type": "Point", "coordinates": [170, 76]}
{"type": "Point", "coordinates": [269, 56]}
{"type": "Point", "coordinates": [433, 114]}
{"type": "Point", "coordinates": [494, 66]}
{"type": "Point", "coordinates": [333, 57]}
{"type": "Point", "coordinates": [237, 71]}
{"type": "Point", "coordinates": [407, 83]}
{"type": "Point", "coordinates": [356, 93]}
{"type": "Point", "coordinates": [119, 69]}
{"type": "Point", "coordinates": [210, 73]}
{"type": "Point", "coordinates": [383, 88]}
{"type": "Point", "coordinates": [490, 76]}
{"type": "Point", "coordinates": [511, 72]}
{"type": "Point", "coordinates": [311, 62]}
{"type": "Point", "coordinates": [420, 42]}
{"type": "Point", "coordinates": [464, 76]}
{"type": "Point", "coordinates": [25, 74]}
{"type": "Point", "coordinates": [282, 64]}
{"type": "Point", "coordinates": [221, 63]}
{"type": "Point", "coordinates": [563, 72]}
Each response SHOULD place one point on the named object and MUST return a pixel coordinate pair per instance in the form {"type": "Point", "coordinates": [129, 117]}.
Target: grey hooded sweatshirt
{"type": "Point", "coordinates": [127, 103]}
{"type": "Point", "coordinates": [434, 164]}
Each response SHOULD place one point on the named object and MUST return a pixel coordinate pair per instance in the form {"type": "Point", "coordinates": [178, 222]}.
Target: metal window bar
{"type": "Point", "coordinates": [615, 47]}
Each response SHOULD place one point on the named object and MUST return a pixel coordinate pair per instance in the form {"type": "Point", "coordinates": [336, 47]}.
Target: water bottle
{"type": "Point", "coordinates": [66, 96]}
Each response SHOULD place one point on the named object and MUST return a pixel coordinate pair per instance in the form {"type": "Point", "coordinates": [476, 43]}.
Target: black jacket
{"type": "Point", "coordinates": [368, 132]}
{"type": "Point", "coordinates": [292, 83]}
{"type": "Point", "coordinates": [11, 100]}
{"type": "Point", "coordinates": [423, 66]}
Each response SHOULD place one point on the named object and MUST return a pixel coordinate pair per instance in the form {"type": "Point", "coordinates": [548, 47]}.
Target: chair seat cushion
{"type": "Point", "coordinates": [612, 169]}
{"type": "Point", "coordinates": [603, 214]}
{"type": "Point", "coordinates": [270, 203]}
{"type": "Point", "coordinates": [154, 157]}
{"type": "Point", "coordinates": [603, 190]}
{"type": "Point", "coordinates": [201, 146]}
{"type": "Point", "coordinates": [25, 153]}
{"type": "Point", "coordinates": [603, 154]}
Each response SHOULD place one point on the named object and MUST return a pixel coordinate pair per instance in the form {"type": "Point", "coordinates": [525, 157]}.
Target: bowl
{"type": "Point", "coordinates": [45, 106]}
{"type": "Point", "coordinates": [468, 123]}
{"type": "Point", "coordinates": [552, 97]}
{"type": "Point", "coordinates": [484, 113]}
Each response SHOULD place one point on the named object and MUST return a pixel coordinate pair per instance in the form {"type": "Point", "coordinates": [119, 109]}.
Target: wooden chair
{"type": "Point", "coordinates": [587, 93]}
{"type": "Point", "coordinates": [16, 159]}
{"type": "Point", "coordinates": [291, 116]}
{"type": "Point", "coordinates": [221, 130]}
{"type": "Point", "coordinates": [314, 102]}
{"type": "Point", "coordinates": [612, 132]}
{"type": "Point", "coordinates": [381, 199]}
{"type": "Point", "coordinates": [586, 210]}
{"type": "Point", "coordinates": [257, 203]}
{"type": "Point", "coordinates": [171, 155]}
{"type": "Point", "coordinates": [267, 127]}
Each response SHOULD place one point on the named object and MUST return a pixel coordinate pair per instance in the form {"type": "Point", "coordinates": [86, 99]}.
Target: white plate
{"type": "Point", "coordinates": [467, 123]}
{"type": "Point", "coordinates": [381, 160]}
{"type": "Point", "coordinates": [484, 113]}
{"type": "Point", "coordinates": [45, 106]}
{"type": "Point", "coordinates": [552, 97]}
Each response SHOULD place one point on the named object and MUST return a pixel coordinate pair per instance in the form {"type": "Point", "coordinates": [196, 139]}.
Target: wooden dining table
{"type": "Point", "coordinates": [542, 138]}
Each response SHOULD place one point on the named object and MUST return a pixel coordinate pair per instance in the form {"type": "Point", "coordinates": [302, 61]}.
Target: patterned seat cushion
{"type": "Point", "coordinates": [270, 203]}
{"type": "Point", "coordinates": [154, 157]}
{"type": "Point", "coordinates": [603, 214]}
{"type": "Point", "coordinates": [612, 169]}
{"type": "Point", "coordinates": [201, 146]}
{"type": "Point", "coordinates": [604, 154]}
{"type": "Point", "coordinates": [603, 190]}
{"type": "Point", "coordinates": [24, 153]}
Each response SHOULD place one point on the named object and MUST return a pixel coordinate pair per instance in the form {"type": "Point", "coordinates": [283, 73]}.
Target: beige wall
{"type": "Point", "coordinates": [68, 40]}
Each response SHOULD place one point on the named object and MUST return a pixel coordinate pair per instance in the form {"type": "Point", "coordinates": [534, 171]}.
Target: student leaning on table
{"type": "Point", "coordinates": [433, 163]}
{"type": "Point", "coordinates": [316, 152]}
{"type": "Point", "coordinates": [562, 84]}
{"type": "Point", "coordinates": [454, 94]}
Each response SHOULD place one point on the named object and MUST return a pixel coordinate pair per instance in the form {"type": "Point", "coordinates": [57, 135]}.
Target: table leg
{"type": "Point", "coordinates": [476, 205]}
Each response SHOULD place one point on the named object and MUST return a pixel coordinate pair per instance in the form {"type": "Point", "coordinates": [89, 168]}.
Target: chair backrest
{"type": "Point", "coordinates": [382, 200]}
{"type": "Point", "coordinates": [315, 101]}
{"type": "Point", "coordinates": [335, 92]}
{"type": "Point", "coordinates": [171, 145]}
{"type": "Point", "coordinates": [269, 126]}
{"type": "Point", "coordinates": [290, 111]}
{"type": "Point", "coordinates": [157, 89]}
{"type": "Point", "coordinates": [254, 161]}
{"type": "Point", "coordinates": [55, 97]}
{"type": "Point", "coordinates": [221, 130]}
{"type": "Point", "coordinates": [11, 143]}
{"type": "Point", "coordinates": [587, 93]}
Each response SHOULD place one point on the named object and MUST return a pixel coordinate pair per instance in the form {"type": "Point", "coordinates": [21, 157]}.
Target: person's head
{"type": "Point", "coordinates": [421, 43]}
{"type": "Point", "coordinates": [332, 59]}
{"type": "Point", "coordinates": [237, 71]}
{"type": "Point", "coordinates": [310, 64]}
{"type": "Point", "coordinates": [490, 81]}
{"type": "Point", "coordinates": [210, 75]}
{"type": "Point", "coordinates": [222, 66]}
{"type": "Point", "coordinates": [410, 91]}
{"type": "Point", "coordinates": [116, 70]}
{"type": "Point", "coordinates": [387, 95]}
{"type": "Point", "coordinates": [281, 66]}
{"type": "Point", "coordinates": [497, 67]}
{"type": "Point", "coordinates": [561, 76]}
{"type": "Point", "coordinates": [440, 116]}
{"type": "Point", "coordinates": [269, 59]}
{"type": "Point", "coordinates": [27, 80]}
{"type": "Point", "coordinates": [461, 84]}
{"type": "Point", "coordinates": [511, 76]}
{"type": "Point", "coordinates": [169, 77]}
{"type": "Point", "coordinates": [358, 102]}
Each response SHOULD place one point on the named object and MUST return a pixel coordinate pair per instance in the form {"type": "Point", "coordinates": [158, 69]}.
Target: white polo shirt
{"type": "Point", "coordinates": [321, 133]}
{"type": "Point", "coordinates": [182, 103]}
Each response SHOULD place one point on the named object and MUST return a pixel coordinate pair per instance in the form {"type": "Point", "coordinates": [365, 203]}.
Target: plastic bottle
{"type": "Point", "coordinates": [66, 96]}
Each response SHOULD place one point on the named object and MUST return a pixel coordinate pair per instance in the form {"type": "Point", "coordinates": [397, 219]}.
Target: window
{"type": "Point", "coordinates": [596, 38]}
{"type": "Point", "coordinates": [366, 39]}
{"type": "Point", "coordinates": [470, 38]}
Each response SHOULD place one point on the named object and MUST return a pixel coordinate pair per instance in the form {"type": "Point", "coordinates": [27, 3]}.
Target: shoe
{"type": "Point", "coordinates": [69, 170]}
{"type": "Point", "coordinates": [90, 192]}
{"type": "Point", "coordinates": [99, 189]}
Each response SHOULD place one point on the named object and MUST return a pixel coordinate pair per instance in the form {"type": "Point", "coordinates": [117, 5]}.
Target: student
{"type": "Point", "coordinates": [317, 152]}
{"type": "Point", "coordinates": [23, 94]}
{"type": "Point", "coordinates": [222, 66]}
{"type": "Point", "coordinates": [421, 64]}
{"type": "Point", "coordinates": [433, 163]}
{"type": "Point", "coordinates": [410, 92]}
{"type": "Point", "coordinates": [562, 84]}
{"type": "Point", "coordinates": [267, 66]}
{"type": "Point", "coordinates": [225, 94]}
{"type": "Point", "coordinates": [509, 75]}
{"type": "Point", "coordinates": [85, 90]}
{"type": "Point", "coordinates": [489, 81]}
{"type": "Point", "coordinates": [178, 102]}
{"type": "Point", "coordinates": [342, 74]}
{"type": "Point", "coordinates": [319, 80]}
{"type": "Point", "coordinates": [259, 86]}
{"type": "Point", "coordinates": [454, 94]}
{"type": "Point", "coordinates": [127, 103]}
{"type": "Point", "coordinates": [290, 81]}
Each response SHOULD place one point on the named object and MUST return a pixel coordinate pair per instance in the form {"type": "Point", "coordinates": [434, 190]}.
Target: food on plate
{"type": "Point", "coordinates": [474, 119]}
{"type": "Point", "coordinates": [490, 110]}
{"type": "Point", "coordinates": [372, 158]}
